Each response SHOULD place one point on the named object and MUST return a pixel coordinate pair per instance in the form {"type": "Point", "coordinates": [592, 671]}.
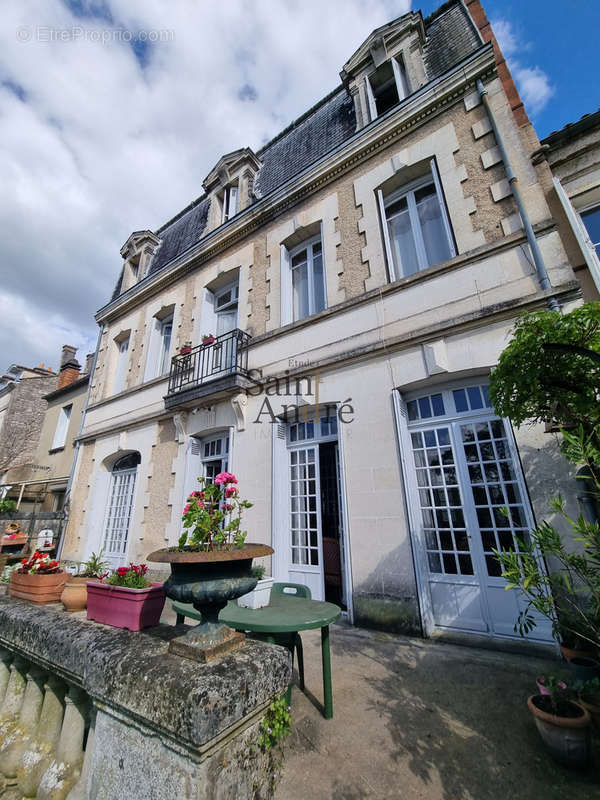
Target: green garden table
{"type": "Point", "coordinates": [280, 621]}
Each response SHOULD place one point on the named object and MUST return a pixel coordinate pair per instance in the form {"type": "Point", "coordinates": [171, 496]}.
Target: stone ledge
{"type": "Point", "coordinates": [134, 674]}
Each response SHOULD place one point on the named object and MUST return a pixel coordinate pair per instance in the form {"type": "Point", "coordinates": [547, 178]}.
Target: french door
{"type": "Point", "coordinates": [306, 553]}
{"type": "Point", "coordinates": [119, 511]}
{"type": "Point", "coordinates": [467, 497]}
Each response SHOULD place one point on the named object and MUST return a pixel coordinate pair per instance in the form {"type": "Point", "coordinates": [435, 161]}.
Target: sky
{"type": "Point", "coordinates": [112, 112]}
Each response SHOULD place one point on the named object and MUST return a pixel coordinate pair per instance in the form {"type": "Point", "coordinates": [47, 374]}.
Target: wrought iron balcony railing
{"type": "Point", "coordinates": [224, 358]}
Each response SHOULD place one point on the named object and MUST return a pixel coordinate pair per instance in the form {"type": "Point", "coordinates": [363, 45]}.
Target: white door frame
{"type": "Point", "coordinates": [281, 506]}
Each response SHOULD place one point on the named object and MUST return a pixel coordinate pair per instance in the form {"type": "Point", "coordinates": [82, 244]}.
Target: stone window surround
{"type": "Point", "coordinates": [124, 335]}
{"type": "Point", "coordinates": [156, 318]}
{"type": "Point", "coordinates": [441, 144]}
{"type": "Point", "coordinates": [323, 213]}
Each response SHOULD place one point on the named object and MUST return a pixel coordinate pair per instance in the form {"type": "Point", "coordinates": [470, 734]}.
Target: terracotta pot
{"type": "Point", "coordinates": [74, 596]}
{"type": "Point", "coordinates": [36, 587]}
{"type": "Point", "coordinates": [569, 653]}
{"type": "Point", "coordinates": [122, 607]}
{"type": "Point", "coordinates": [594, 711]}
{"type": "Point", "coordinates": [567, 739]}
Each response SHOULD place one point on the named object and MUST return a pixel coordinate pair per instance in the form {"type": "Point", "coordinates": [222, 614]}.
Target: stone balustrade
{"type": "Point", "coordinates": [89, 712]}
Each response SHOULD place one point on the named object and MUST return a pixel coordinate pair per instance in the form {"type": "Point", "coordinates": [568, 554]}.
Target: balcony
{"type": "Point", "coordinates": [212, 370]}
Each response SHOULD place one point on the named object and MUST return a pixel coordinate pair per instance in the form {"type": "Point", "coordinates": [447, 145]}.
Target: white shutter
{"type": "Point", "coordinates": [386, 238]}
{"type": "Point", "coordinates": [286, 287]}
{"type": "Point", "coordinates": [208, 318]}
{"type": "Point", "coordinates": [413, 514]}
{"type": "Point", "coordinates": [443, 209]}
{"type": "Point", "coordinates": [371, 100]}
{"type": "Point", "coordinates": [583, 240]}
{"type": "Point", "coordinates": [280, 505]}
{"type": "Point", "coordinates": [154, 350]}
{"type": "Point", "coordinates": [347, 558]}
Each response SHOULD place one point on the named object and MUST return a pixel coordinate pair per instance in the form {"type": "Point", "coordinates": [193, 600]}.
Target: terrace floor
{"type": "Point", "coordinates": [425, 720]}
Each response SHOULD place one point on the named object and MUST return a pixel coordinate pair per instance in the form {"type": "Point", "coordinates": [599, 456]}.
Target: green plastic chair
{"type": "Point", "coordinates": [297, 589]}
{"type": "Point", "coordinates": [295, 643]}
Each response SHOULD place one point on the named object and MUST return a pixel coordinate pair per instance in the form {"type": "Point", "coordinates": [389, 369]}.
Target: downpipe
{"type": "Point", "coordinates": [538, 259]}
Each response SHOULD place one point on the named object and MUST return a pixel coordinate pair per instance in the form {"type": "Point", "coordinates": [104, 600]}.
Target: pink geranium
{"type": "Point", "coordinates": [224, 478]}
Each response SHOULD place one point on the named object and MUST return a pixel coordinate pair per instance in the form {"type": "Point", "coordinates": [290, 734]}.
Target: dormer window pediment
{"type": "Point", "coordinates": [137, 253]}
{"type": "Point", "coordinates": [386, 68]}
{"type": "Point", "coordinates": [229, 185]}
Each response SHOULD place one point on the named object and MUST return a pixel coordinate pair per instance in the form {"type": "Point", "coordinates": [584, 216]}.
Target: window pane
{"type": "Point", "coordinates": [432, 226]}
{"type": "Point", "coordinates": [300, 288]}
{"type": "Point", "coordinates": [591, 220]}
{"type": "Point", "coordinates": [318, 278]}
{"type": "Point", "coordinates": [460, 400]}
{"type": "Point", "coordinates": [402, 241]}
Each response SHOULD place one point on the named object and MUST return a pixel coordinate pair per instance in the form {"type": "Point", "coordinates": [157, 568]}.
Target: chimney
{"type": "Point", "coordinates": [89, 360]}
{"type": "Point", "coordinates": [68, 354]}
{"type": "Point", "coordinates": [70, 368]}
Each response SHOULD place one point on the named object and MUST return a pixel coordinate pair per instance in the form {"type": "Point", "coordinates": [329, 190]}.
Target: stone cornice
{"type": "Point", "coordinates": [413, 112]}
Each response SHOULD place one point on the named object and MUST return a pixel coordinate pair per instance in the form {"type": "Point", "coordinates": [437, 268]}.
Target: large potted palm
{"type": "Point", "coordinates": [211, 564]}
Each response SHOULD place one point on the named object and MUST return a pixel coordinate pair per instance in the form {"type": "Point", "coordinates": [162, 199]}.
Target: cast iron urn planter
{"type": "Point", "coordinates": [209, 580]}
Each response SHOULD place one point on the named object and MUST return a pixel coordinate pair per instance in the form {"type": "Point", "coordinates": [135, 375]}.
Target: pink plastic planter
{"type": "Point", "coordinates": [125, 608]}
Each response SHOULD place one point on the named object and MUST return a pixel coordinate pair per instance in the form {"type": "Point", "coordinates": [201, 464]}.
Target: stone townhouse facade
{"type": "Point", "coordinates": [366, 266]}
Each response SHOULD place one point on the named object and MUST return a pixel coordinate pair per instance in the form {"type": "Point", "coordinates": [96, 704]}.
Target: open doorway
{"type": "Point", "coordinates": [308, 532]}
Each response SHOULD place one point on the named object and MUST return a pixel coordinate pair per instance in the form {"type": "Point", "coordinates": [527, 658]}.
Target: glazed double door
{"type": "Point", "coordinates": [471, 499]}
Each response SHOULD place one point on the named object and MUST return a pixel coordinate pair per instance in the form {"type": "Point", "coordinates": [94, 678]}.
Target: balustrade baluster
{"type": "Point", "coordinates": [79, 791]}
{"type": "Point", "coordinates": [5, 658]}
{"type": "Point", "coordinates": [41, 750]}
{"type": "Point", "coordinates": [16, 741]}
{"type": "Point", "coordinates": [65, 769]}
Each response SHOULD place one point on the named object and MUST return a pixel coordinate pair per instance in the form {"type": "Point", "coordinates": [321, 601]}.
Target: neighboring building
{"type": "Point", "coordinates": [373, 253]}
{"type": "Point", "coordinates": [573, 154]}
{"type": "Point", "coordinates": [62, 423]}
{"type": "Point", "coordinates": [22, 410]}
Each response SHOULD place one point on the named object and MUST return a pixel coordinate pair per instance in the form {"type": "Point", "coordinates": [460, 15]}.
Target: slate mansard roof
{"type": "Point", "coordinates": [451, 37]}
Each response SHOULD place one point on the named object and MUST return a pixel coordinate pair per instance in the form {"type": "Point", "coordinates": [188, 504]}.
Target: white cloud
{"type": "Point", "coordinates": [96, 144]}
{"type": "Point", "coordinates": [532, 82]}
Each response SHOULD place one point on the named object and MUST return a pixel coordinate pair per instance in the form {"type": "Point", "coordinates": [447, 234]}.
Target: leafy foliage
{"type": "Point", "coordinates": [131, 577]}
{"type": "Point", "coordinates": [7, 506]}
{"type": "Point", "coordinates": [550, 371]}
{"type": "Point", "coordinates": [276, 724]}
{"type": "Point", "coordinates": [258, 572]}
{"type": "Point", "coordinates": [212, 518]}
{"type": "Point", "coordinates": [94, 567]}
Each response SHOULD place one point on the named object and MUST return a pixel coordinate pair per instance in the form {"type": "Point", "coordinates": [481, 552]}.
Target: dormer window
{"type": "Point", "coordinates": [230, 203]}
{"type": "Point", "coordinates": [386, 87]}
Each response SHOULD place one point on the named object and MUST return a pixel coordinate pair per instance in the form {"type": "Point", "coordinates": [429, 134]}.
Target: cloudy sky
{"type": "Point", "coordinates": [113, 111]}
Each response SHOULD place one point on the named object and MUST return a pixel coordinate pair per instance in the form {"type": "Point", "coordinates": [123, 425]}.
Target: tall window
{"type": "Point", "coordinates": [119, 383]}
{"type": "Point", "coordinates": [591, 220]}
{"type": "Point", "coordinates": [386, 87]}
{"type": "Point", "coordinates": [166, 331]}
{"type": "Point", "coordinates": [308, 278]}
{"type": "Point", "coordinates": [226, 305]}
{"type": "Point", "coordinates": [416, 227]}
{"type": "Point", "coordinates": [60, 435]}
{"type": "Point", "coordinates": [120, 505]}
{"type": "Point", "coordinates": [230, 202]}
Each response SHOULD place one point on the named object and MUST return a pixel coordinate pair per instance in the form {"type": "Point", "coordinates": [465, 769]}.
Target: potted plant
{"type": "Point", "coordinates": [126, 599]}
{"type": "Point", "coordinates": [207, 338]}
{"type": "Point", "coordinates": [589, 697]}
{"type": "Point", "coordinates": [260, 596]}
{"type": "Point", "coordinates": [211, 564]}
{"type": "Point", "coordinates": [542, 685]}
{"type": "Point", "coordinates": [563, 724]}
{"type": "Point", "coordinates": [74, 596]}
{"type": "Point", "coordinates": [39, 579]}
{"type": "Point", "coordinates": [13, 535]}
{"type": "Point", "coordinates": [185, 349]}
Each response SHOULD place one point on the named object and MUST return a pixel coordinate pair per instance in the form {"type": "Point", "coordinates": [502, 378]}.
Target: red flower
{"type": "Point", "coordinates": [122, 571]}
{"type": "Point", "coordinates": [231, 491]}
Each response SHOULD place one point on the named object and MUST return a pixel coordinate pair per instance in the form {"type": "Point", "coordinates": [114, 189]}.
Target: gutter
{"type": "Point", "coordinates": [538, 259]}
